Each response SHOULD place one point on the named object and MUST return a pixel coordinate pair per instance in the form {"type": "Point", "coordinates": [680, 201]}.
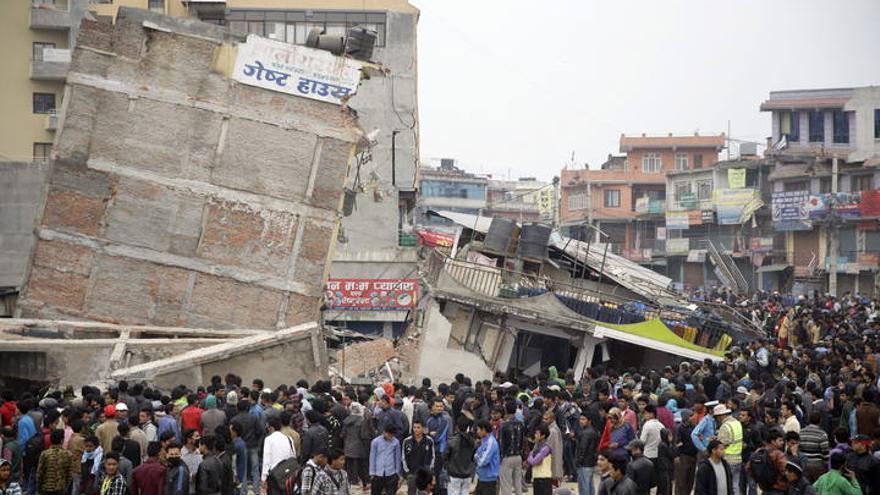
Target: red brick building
{"type": "Point", "coordinates": [607, 198]}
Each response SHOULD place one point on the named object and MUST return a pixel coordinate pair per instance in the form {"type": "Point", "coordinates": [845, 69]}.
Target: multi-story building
{"type": "Point", "coordinates": [825, 150]}
{"type": "Point", "coordinates": [624, 198]}
{"type": "Point", "coordinates": [37, 37]}
{"type": "Point", "coordinates": [523, 200]}
{"type": "Point", "coordinates": [449, 188]}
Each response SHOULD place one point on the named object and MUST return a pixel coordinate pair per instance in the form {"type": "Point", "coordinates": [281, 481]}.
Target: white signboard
{"type": "Point", "coordinates": [296, 70]}
{"type": "Point", "coordinates": [56, 55]}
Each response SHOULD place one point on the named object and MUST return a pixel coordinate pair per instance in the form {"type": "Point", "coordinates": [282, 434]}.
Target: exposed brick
{"type": "Point", "coordinates": [235, 234]}
{"type": "Point", "coordinates": [128, 290]}
{"type": "Point", "coordinates": [365, 357]}
{"type": "Point", "coordinates": [71, 211]}
{"type": "Point", "coordinates": [332, 169]}
{"type": "Point", "coordinates": [225, 303]}
{"type": "Point", "coordinates": [95, 34]}
{"type": "Point", "coordinates": [301, 309]}
{"type": "Point", "coordinates": [65, 291]}
{"type": "Point", "coordinates": [64, 257]}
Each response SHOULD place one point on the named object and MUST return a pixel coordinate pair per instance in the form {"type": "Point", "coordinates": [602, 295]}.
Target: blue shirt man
{"type": "Point", "coordinates": [487, 457]}
{"type": "Point", "coordinates": [704, 431]}
{"type": "Point", "coordinates": [385, 454]}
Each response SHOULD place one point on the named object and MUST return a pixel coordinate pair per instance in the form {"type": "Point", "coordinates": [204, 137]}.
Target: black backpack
{"type": "Point", "coordinates": [33, 448]}
{"type": "Point", "coordinates": [284, 478]}
{"type": "Point", "coordinates": [762, 468]}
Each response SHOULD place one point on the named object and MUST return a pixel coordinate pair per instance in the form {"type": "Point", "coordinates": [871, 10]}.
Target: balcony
{"type": "Point", "coordinates": [51, 65]}
{"type": "Point", "coordinates": [51, 16]}
{"type": "Point", "coordinates": [52, 122]}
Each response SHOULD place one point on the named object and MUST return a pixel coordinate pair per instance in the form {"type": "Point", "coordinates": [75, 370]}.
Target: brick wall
{"type": "Point", "coordinates": [179, 197]}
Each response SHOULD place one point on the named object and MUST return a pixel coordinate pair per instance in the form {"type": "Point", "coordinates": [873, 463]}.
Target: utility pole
{"type": "Point", "coordinates": [832, 231]}
{"type": "Point", "coordinates": [728, 139]}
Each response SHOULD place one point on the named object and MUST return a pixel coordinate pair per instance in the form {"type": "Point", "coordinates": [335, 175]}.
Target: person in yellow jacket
{"type": "Point", "coordinates": [730, 434]}
{"type": "Point", "coordinates": [541, 460]}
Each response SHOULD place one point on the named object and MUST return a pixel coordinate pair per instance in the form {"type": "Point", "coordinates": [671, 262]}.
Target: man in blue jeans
{"type": "Point", "coordinates": [586, 453]}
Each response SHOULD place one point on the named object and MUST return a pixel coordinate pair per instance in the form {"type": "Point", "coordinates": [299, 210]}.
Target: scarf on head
{"type": "Point", "coordinates": [97, 455]}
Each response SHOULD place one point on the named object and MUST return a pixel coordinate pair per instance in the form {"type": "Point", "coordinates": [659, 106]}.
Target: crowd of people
{"type": "Point", "coordinates": [793, 413]}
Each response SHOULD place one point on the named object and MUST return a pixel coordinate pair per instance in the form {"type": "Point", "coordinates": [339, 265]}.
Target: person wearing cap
{"type": "Point", "coordinates": [7, 485]}
{"type": "Point", "coordinates": [122, 412]}
{"type": "Point", "coordinates": [212, 419]}
{"type": "Point", "coordinates": [704, 431]}
{"type": "Point", "coordinates": [865, 465]}
{"type": "Point", "coordinates": [834, 482]}
{"type": "Point", "coordinates": [730, 434]}
{"type": "Point", "coordinates": [714, 474]}
{"type": "Point", "coordinates": [640, 469]}
{"type": "Point", "coordinates": [797, 482]}
{"type": "Point", "coordinates": [108, 429]}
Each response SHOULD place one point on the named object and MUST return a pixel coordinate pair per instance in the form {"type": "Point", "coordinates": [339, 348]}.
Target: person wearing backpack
{"type": "Point", "coordinates": [309, 477]}
{"type": "Point", "coordinates": [767, 465]}
{"type": "Point", "coordinates": [277, 447]}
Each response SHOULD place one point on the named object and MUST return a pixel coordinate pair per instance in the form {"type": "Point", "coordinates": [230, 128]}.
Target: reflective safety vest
{"type": "Point", "coordinates": [735, 432]}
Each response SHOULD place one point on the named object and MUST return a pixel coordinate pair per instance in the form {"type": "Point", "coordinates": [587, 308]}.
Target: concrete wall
{"type": "Point", "coordinates": [180, 198]}
{"type": "Point", "coordinates": [390, 105]}
{"type": "Point", "coordinates": [21, 189]}
{"type": "Point", "coordinates": [439, 362]}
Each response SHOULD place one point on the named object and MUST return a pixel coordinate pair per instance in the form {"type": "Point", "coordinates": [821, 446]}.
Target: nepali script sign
{"type": "Point", "coordinates": [360, 294]}
{"type": "Point", "coordinates": [296, 70]}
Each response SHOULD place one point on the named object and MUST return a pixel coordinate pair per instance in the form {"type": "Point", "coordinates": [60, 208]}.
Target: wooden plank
{"type": "Point", "coordinates": [62, 326]}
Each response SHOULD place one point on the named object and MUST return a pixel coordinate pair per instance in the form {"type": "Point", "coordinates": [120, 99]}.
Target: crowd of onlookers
{"type": "Point", "coordinates": [793, 413]}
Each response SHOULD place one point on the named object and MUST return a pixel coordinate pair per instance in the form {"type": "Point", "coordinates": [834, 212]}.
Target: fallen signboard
{"type": "Point", "coordinates": [355, 294]}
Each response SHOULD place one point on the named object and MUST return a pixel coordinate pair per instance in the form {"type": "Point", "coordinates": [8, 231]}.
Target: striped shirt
{"type": "Point", "coordinates": [814, 444]}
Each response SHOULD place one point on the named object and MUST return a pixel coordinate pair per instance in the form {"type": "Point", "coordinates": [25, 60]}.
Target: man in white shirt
{"type": "Point", "coordinates": [791, 422]}
{"type": "Point", "coordinates": [651, 431]}
{"type": "Point", "coordinates": [277, 447]}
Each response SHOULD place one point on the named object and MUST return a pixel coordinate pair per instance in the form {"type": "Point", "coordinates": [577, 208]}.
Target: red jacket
{"type": "Point", "coordinates": [148, 478]}
{"type": "Point", "coordinates": [190, 418]}
{"type": "Point", "coordinates": [8, 410]}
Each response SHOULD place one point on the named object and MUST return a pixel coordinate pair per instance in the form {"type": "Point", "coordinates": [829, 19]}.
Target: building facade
{"type": "Point", "coordinates": [825, 152]}
{"type": "Point", "coordinates": [449, 188]}
{"type": "Point", "coordinates": [41, 34]}
{"type": "Point", "coordinates": [523, 200]}
{"type": "Point", "coordinates": [625, 198]}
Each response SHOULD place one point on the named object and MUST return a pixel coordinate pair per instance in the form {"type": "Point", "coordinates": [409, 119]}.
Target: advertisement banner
{"type": "Point", "coordinates": [657, 206]}
{"type": "Point", "coordinates": [296, 70]}
{"type": "Point", "coordinates": [643, 204]}
{"type": "Point", "coordinates": [661, 233]}
{"type": "Point", "coordinates": [695, 217]}
{"type": "Point", "coordinates": [687, 200]}
{"type": "Point", "coordinates": [735, 206]}
{"type": "Point", "coordinates": [762, 244]}
{"type": "Point", "coordinates": [736, 178]}
{"type": "Point", "coordinates": [435, 239]}
{"type": "Point", "coordinates": [677, 246]}
{"type": "Point", "coordinates": [677, 220]}
{"type": "Point", "coordinates": [870, 203]}
{"type": "Point", "coordinates": [869, 261]}
{"type": "Point", "coordinates": [357, 294]}
{"type": "Point", "coordinates": [790, 205]}
{"type": "Point", "coordinates": [707, 216]}
{"type": "Point", "coordinates": [843, 204]}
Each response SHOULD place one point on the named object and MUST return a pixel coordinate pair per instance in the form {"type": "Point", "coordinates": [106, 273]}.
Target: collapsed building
{"type": "Point", "coordinates": [518, 298]}
{"type": "Point", "coordinates": [191, 207]}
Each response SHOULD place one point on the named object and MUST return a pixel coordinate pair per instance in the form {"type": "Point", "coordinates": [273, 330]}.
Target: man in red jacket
{"type": "Point", "coordinates": [149, 477]}
{"type": "Point", "coordinates": [191, 415]}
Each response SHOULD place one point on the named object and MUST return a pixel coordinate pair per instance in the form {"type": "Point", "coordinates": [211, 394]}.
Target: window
{"type": "Point", "coordinates": [800, 185]}
{"type": "Point", "coordinates": [38, 50]}
{"type": "Point", "coordinates": [578, 202]}
{"type": "Point", "coordinates": [877, 123]}
{"type": "Point", "coordinates": [817, 127]}
{"type": "Point", "coordinates": [698, 160]}
{"type": "Point", "coordinates": [42, 152]}
{"type": "Point", "coordinates": [825, 185]}
{"type": "Point", "coordinates": [861, 183]}
{"type": "Point", "coordinates": [158, 5]}
{"type": "Point", "coordinates": [44, 102]}
{"type": "Point", "coordinates": [681, 161]}
{"type": "Point", "coordinates": [704, 190]}
{"type": "Point", "coordinates": [680, 189]}
{"type": "Point", "coordinates": [293, 26]}
{"type": "Point", "coordinates": [612, 198]}
{"type": "Point", "coordinates": [790, 126]}
{"type": "Point", "coordinates": [651, 162]}
{"type": "Point", "coordinates": [841, 126]}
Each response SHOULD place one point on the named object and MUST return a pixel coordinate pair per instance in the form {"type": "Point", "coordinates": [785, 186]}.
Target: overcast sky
{"type": "Point", "coordinates": [510, 86]}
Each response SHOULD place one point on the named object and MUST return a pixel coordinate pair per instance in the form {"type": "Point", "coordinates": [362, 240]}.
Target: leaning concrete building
{"type": "Point", "coordinates": [181, 196]}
